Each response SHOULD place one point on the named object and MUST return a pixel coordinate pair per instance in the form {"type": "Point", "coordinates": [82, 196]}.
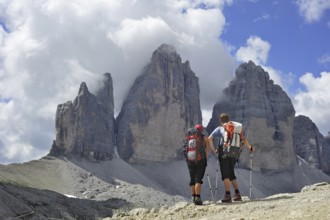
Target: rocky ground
{"type": "Point", "coordinates": [160, 191]}
{"type": "Point", "coordinates": [312, 203]}
{"type": "Point", "coordinates": [89, 180]}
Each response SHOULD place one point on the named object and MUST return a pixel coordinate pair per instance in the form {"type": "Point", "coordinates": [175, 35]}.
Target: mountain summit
{"type": "Point", "coordinates": [267, 115]}
{"type": "Point", "coordinates": [162, 103]}
{"type": "Point", "coordinates": [86, 126]}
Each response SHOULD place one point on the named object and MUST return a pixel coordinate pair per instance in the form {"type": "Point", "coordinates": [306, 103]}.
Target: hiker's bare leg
{"type": "Point", "coordinates": [227, 197]}
{"type": "Point", "coordinates": [198, 188]}
{"type": "Point", "coordinates": [237, 196]}
{"type": "Point", "coordinates": [234, 183]}
{"type": "Point", "coordinates": [193, 191]}
{"type": "Point", "coordinates": [226, 183]}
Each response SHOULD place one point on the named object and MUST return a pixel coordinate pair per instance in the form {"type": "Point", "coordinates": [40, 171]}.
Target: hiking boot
{"type": "Point", "coordinates": [193, 198]}
{"type": "Point", "coordinates": [237, 197]}
{"type": "Point", "coordinates": [226, 199]}
{"type": "Point", "coordinates": [198, 201]}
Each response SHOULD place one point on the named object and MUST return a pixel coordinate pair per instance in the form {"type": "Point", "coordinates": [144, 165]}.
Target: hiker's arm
{"type": "Point", "coordinates": [210, 143]}
{"type": "Point", "coordinates": [248, 145]}
{"type": "Point", "coordinates": [207, 146]}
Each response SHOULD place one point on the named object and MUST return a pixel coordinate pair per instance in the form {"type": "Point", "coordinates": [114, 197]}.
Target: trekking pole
{"type": "Point", "coordinates": [250, 175]}
{"type": "Point", "coordinates": [208, 178]}
{"type": "Point", "coordinates": [216, 181]}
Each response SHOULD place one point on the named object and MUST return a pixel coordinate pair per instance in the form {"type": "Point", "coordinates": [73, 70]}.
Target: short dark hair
{"type": "Point", "coordinates": [224, 118]}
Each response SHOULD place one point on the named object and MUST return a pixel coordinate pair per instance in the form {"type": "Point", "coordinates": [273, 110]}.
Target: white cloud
{"type": "Point", "coordinates": [255, 50]}
{"type": "Point", "coordinates": [53, 46]}
{"type": "Point", "coordinates": [312, 10]}
{"type": "Point", "coordinates": [262, 18]}
{"type": "Point", "coordinates": [315, 101]}
{"type": "Point", "coordinates": [324, 59]}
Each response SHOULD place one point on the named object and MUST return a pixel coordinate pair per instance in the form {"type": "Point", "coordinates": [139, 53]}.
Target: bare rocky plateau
{"type": "Point", "coordinates": [312, 203]}
{"type": "Point", "coordinates": [71, 188]}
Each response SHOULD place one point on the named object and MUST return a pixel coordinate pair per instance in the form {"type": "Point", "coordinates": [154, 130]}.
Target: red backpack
{"type": "Point", "coordinates": [195, 146]}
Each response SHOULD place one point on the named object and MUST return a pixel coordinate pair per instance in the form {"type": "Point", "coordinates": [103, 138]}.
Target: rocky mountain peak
{"type": "Point", "coordinates": [266, 112]}
{"type": "Point", "coordinates": [310, 144]}
{"type": "Point", "coordinates": [85, 128]}
{"type": "Point", "coordinates": [83, 89]}
{"type": "Point", "coordinates": [244, 69]}
{"type": "Point", "coordinates": [162, 103]}
{"type": "Point", "coordinates": [165, 49]}
{"type": "Point", "coordinates": [165, 54]}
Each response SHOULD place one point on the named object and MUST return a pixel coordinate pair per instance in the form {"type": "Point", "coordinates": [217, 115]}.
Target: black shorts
{"type": "Point", "coordinates": [196, 171]}
{"type": "Point", "coordinates": [227, 166]}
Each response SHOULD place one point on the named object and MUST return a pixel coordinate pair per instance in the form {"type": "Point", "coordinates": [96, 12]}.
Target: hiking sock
{"type": "Point", "coordinates": [236, 191]}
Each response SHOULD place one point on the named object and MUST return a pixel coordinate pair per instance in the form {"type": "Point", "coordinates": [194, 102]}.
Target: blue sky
{"type": "Point", "coordinates": [47, 48]}
{"type": "Point", "coordinates": [297, 44]}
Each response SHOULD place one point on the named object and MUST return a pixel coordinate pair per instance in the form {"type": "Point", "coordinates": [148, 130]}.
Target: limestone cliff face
{"type": "Point", "coordinates": [162, 103]}
{"type": "Point", "coordinates": [86, 126]}
{"type": "Point", "coordinates": [310, 144]}
{"type": "Point", "coordinates": [267, 115]}
{"type": "Point", "coordinates": [325, 155]}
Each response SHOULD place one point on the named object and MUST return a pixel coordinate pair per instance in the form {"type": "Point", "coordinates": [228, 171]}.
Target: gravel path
{"type": "Point", "coordinates": [311, 203]}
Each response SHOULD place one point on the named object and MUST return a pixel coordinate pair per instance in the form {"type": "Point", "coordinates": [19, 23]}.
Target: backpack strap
{"type": "Point", "coordinates": [202, 149]}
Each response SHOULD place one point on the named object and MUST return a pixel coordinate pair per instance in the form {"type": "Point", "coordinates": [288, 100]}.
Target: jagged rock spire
{"type": "Point", "coordinates": [310, 144]}
{"type": "Point", "coordinates": [162, 103]}
{"type": "Point", "coordinates": [86, 127]}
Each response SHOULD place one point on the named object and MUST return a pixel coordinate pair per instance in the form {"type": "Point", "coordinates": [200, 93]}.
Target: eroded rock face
{"type": "Point", "coordinates": [30, 203]}
{"type": "Point", "coordinates": [267, 115]}
{"type": "Point", "coordinates": [325, 155]}
{"type": "Point", "coordinates": [86, 126]}
{"type": "Point", "coordinates": [162, 103]}
{"type": "Point", "coordinates": [310, 144]}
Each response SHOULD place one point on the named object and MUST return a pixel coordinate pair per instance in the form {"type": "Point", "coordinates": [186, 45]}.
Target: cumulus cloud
{"type": "Point", "coordinates": [312, 10]}
{"type": "Point", "coordinates": [314, 101]}
{"type": "Point", "coordinates": [49, 47]}
{"type": "Point", "coordinates": [257, 50]}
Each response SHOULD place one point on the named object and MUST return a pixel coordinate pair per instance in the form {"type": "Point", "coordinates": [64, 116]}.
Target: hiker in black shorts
{"type": "Point", "coordinates": [227, 164]}
{"type": "Point", "coordinates": [196, 156]}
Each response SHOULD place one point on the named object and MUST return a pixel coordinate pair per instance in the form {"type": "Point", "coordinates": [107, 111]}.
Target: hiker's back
{"type": "Point", "coordinates": [233, 133]}
{"type": "Point", "coordinates": [195, 147]}
{"type": "Point", "coordinates": [232, 139]}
